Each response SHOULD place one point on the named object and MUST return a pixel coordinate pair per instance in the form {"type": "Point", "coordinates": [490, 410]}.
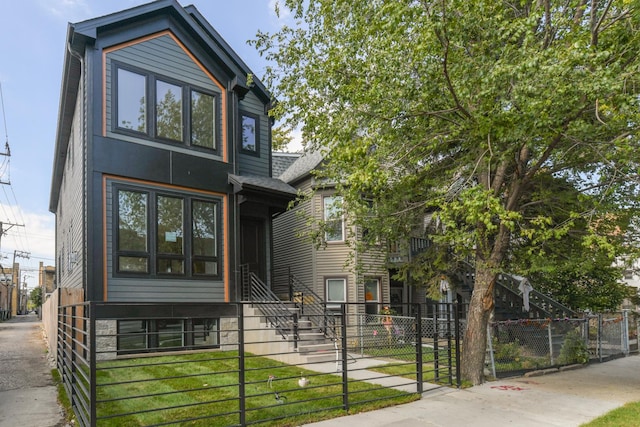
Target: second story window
{"type": "Point", "coordinates": [168, 110]}
{"type": "Point", "coordinates": [203, 117]}
{"type": "Point", "coordinates": [333, 219]}
{"type": "Point", "coordinates": [132, 101]}
{"type": "Point", "coordinates": [156, 107]}
{"type": "Point", "coordinates": [249, 133]}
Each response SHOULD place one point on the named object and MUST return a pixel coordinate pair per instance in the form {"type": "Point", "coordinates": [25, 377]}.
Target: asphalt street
{"type": "Point", "coordinates": [28, 395]}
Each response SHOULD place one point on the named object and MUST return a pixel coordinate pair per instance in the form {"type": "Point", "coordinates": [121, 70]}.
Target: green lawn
{"type": "Point", "coordinates": [182, 387]}
{"type": "Point", "coordinates": [625, 416]}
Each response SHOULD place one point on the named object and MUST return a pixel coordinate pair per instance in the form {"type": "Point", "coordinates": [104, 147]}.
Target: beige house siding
{"type": "Point", "coordinates": [314, 265]}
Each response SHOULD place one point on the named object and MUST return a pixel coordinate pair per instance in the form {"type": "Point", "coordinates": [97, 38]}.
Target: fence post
{"type": "Point", "coordinates": [73, 362]}
{"type": "Point", "coordinates": [92, 363]}
{"type": "Point", "coordinates": [241, 367]}
{"type": "Point", "coordinates": [436, 333]}
{"type": "Point", "coordinates": [361, 334]}
{"type": "Point", "coordinates": [449, 306]}
{"type": "Point", "coordinates": [294, 318]}
{"type": "Point", "coordinates": [456, 316]}
{"type": "Point", "coordinates": [625, 332]}
{"type": "Point", "coordinates": [343, 340]}
{"type": "Point", "coordinates": [490, 346]}
{"type": "Point", "coordinates": [550, 343]}
{"type": "Point", "coordinates": [418, 327]}
{"type": "Point", "coordinates": [600, 337]}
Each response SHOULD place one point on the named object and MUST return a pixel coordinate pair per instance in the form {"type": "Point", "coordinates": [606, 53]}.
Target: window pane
{"type": "Point", "coordinates": [371, 290]}
{"type": "Point", "coordinates": [169, 110]}
{"type": "Point", "coordinates": [132, 105]}
{"type": "Point", "coordinates": [249, 133]}
{"type": "Point", "coordinates": [170, 333]}
{"type": "Point", "coordinates": [205, 332]}
{"type": "Point", "coordinates": [371, 295]}
{"type": "Point", "coordinates": [133, 264]}
{"type": "Point", "coordinates": [333, 219]}
{"type": "Point", "coordinates": [205, 267]}
{"type": "Point", "coordinates": [336, 290]}
{"type": "Point", "coordinates": [204, 228]}
{"type": "Point", "coordinates": [203, 114]}
{"type": "Point", "coordinates": [132, 334]}
{"type": "Point", "coordinates": [170, 225]}
{"type": "Point", "coordinates": [170, 266]}
{"type": "Point", "coordinates": [132, 221]}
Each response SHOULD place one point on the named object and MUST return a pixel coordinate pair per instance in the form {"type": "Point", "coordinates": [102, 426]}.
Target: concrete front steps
{"type": "Point", "coordinates": [263, 339]}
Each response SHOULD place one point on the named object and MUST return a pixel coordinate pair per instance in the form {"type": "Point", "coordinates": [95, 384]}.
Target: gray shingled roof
{"type": "Point", "coordinates": [303, 166]}
{"type": "Point", "coordinates": [280, 162]}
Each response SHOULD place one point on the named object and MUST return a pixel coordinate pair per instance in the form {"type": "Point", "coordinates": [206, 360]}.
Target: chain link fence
{"type": "Point", "coordinates": [518, 346]}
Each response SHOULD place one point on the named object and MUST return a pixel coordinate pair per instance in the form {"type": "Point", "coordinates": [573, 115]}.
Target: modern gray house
{"type": "Point", "coordinates": [161, 183]}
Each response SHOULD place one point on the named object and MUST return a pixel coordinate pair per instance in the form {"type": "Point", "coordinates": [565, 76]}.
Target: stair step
{"type": "Point", "coordinates": [315, 348]}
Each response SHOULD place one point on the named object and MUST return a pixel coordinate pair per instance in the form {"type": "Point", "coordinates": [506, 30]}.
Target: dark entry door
{"type": "Point", "coordinates": [253, 246]}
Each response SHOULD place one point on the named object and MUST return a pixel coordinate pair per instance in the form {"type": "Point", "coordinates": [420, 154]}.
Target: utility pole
{"type": "Point", "coordinates": [7, 152]}
{"type": "Point", "coordinates": [14, 302]}
{"type": "Point", "coordinates": [3, 231]}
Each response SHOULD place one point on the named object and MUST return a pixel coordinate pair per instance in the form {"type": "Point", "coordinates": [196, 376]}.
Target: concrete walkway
{"type": "Point", "coordinates": [568, 398]}
{"type": "Point", "coordinates": [28, 396]}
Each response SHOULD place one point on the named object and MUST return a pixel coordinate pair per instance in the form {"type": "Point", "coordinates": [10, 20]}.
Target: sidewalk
{"type": "Point", "coordinates": [567, 398]}
{"type": "Point", "coordinates": [28, 396]}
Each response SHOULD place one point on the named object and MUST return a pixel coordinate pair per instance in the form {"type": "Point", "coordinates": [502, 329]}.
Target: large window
{"type": "Point", "coordinates": [336, 292]}
{"type": "Point", "coordinates": [179, 113]}
{"type": "Point", "coordinates": [154, 230]}
{"type": "Point", "coordinates": [333, 219]}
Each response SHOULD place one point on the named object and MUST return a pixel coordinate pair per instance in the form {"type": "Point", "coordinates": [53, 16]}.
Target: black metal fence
{"type": "Point", "coordinates": [226, 364]}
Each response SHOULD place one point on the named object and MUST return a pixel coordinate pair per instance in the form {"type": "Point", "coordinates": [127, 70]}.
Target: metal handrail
{"type": "Point", "coordinates": [545, 303]}
{"type": "Point", "coordinates": [542, 302]}
{"type": "Point", "coordinates": [313, 307]}
{"type": "Point", "coordinates": [277, 314]}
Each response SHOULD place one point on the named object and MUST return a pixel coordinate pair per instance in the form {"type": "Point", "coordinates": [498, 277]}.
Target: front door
{"type": "Point", "coordinates": [253, 250]}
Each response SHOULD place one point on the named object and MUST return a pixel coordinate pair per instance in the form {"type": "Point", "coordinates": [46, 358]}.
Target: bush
{"type": "Point", "coordinates": [573, 350]}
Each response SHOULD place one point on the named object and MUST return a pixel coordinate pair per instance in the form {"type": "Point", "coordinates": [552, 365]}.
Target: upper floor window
{"type": "Point", "coordinates": [249, 133]}
{"type": "Point", "coordinates": [132, 101]}
{"type": "Point", "coordinates": [179, 112]}
{"type": "Point", "coordinates": [333, 219]}
{"type": "Point", "coordinates": [166, 234]}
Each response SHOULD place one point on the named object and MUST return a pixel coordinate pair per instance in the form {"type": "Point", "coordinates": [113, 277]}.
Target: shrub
{"type": "Point", "coordinates": [573, 350]}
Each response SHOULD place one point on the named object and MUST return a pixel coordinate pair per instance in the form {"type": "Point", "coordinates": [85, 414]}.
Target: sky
{"type": "Point", "coordinates": [32, 44]}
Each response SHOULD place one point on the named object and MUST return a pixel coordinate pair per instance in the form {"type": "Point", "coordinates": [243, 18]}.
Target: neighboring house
{"type": "Point", "coordinates": [161, 182]}
{"type": "Point", "coordinates": [328, 269]}
{"type": "Point", "coordinates": [46, 278]}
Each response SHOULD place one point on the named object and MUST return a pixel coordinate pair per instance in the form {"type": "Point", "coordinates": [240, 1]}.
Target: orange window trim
{"type": "Point", "coordinates": [193, 58]}
{"type": "Point", "coordinates": [225, 224]}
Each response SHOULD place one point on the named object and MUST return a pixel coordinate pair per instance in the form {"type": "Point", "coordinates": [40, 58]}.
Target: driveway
{"type": "Point", "coordinates": [28, 396]}
{"type": "Point", "coordinates": [567, 398]}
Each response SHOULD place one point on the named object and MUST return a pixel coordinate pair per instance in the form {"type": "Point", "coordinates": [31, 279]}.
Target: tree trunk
{"type": "Point", "coordinates": [475, 337]}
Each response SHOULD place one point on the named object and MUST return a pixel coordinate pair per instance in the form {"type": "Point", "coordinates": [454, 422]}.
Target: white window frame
{"type": "Point", "coordinates": [334, 304]}
{"type": "Point", "coordinates": [373, 302]}
{"type": "Point", "coordinates": [328, 209]}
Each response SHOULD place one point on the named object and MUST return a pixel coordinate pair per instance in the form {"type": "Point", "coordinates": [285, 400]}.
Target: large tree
{"type": "Point", "coordinates": [508, 123]}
